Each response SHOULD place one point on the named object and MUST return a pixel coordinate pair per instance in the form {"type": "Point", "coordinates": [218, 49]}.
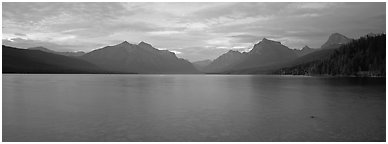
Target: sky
{"type": "Point", "coordinates": [194, 31]}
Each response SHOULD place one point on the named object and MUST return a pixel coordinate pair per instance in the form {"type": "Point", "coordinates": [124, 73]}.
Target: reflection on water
{"type": "Point", "coordinates": [192, 108]}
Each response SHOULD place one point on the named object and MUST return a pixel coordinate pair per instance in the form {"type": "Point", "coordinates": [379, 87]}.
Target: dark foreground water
{"type": "Point", "coordinates": [192, 108]}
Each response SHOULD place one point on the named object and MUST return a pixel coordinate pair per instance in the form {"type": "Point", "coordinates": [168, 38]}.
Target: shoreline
{"type": "Point", "coordinates": [327, 76]}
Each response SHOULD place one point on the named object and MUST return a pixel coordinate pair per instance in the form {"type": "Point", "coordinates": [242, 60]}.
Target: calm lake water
{"type": "Point", "coordinates": [192, 108]}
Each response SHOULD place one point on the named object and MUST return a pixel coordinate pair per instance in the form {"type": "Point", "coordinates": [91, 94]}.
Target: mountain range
{"type": "Point", "coordinates": [140, 58]}
{"type": "Point", "coordinates": [36, 61]}
{"type": "Point", "coordinates": [120, 58]}
{"type": "Point", "coordinates": [78, 53]}
{"type": "Point", "coordinates": [267, 56]}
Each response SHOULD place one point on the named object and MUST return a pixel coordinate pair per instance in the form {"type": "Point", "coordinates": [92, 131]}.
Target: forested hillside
{"type": "Point", "coordinates": [362, 57]}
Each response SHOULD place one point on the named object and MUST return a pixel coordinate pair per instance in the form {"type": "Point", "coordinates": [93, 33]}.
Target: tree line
{"type": "Point", "coordinates": [362, 57]}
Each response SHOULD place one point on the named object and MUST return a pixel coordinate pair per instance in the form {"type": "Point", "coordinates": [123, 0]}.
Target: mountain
{"type": "Point", "coordinates": [362, 57]}
{"type": "Point", "coordinates": [140, 58]}
{"type": "Point", "coordinates": [275, 50]}
{"type": "Point", "coordinates": [200, 65]}
{"type": "Point", "coordinates": [307, 63]}
{"type": "Point", "coordinates": [266, 52]}
{"type": "Point", "coordinates": [315, 55]}
{"type": "Point", "coordinates": [224, 62]}
{"type": "Point", "coordinates": [270, 69]}
{"type": "Point", "coordinates": [304, 51]}
{"type": "Point", "coordinates": [79, 53]}
{"type": "Point", "coordinates": [335, 41]}
{"type": "Point", "coordinates": [17, 60]}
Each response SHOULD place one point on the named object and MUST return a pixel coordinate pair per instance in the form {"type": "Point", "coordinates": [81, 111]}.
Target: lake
{"type": "Point", "coordinates": [60, 107]}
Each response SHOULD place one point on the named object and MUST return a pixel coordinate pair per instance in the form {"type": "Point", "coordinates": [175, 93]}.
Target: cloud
{"type": "Point", "coordinates": [245, 38]}
{"type": "Point", "coordinates": [20, 34]}
{"type": "Point", "coordinates": [164, 32]}
{"type": "Point", "coordinates": [314, 6]}
{"type": "Point", "coordinates": [176, 52]}
{"type": "Point", "coordinates": [199, 53]}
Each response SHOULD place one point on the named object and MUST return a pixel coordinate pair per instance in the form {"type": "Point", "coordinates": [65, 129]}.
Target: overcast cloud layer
{"type": "Point", "coordinates": [194, 31]}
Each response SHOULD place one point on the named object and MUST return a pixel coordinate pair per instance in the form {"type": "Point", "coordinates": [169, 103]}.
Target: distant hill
{"type": "Point", "coordinates": [17, 60]}
{"type": "Point", "coordinates": [140, 58]}
{"type": "Point", "coordinates": [271, 68]}
{"type": "Point", "coordinates": [224, 62]}
{"type": "Point", "coordinates": [315, 55]}
{"type": "Point", "coordinates": [79, 53]}
{"type": "Point", "coordinates": [304, 51]}
{"type": "Point", "coordinates": [362, 57]}
{"type": "Point", "coordinates": [200, 65]}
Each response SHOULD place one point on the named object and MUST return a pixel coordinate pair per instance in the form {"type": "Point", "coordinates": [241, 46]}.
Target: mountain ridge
{"type": "Point", "coordinates": [78, 53]}
{"type": "Point", "coordinates": [16, 60]}
{"type": "Point", "coordinates": [263, 53]}
{"type": "Point", "coordinates": [140, 58]}
{"type": "Point", "coordinates": [304, 51]}
{"type": "Point", "coordinates": [265, 56]}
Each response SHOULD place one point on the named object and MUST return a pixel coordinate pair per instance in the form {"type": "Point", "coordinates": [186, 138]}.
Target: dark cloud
{"type": "Point", "coordinates": [20, 34]}
{"type": "Point", "coordinates": [33, 12]}
{"type": "Point", "coordinates": [239, 10]}
{"type": "Point", "coordinates": [245, 38]}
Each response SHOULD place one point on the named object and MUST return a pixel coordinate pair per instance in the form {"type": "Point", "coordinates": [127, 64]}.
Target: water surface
{"type": "Point", "coordinates": [192, 108]}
